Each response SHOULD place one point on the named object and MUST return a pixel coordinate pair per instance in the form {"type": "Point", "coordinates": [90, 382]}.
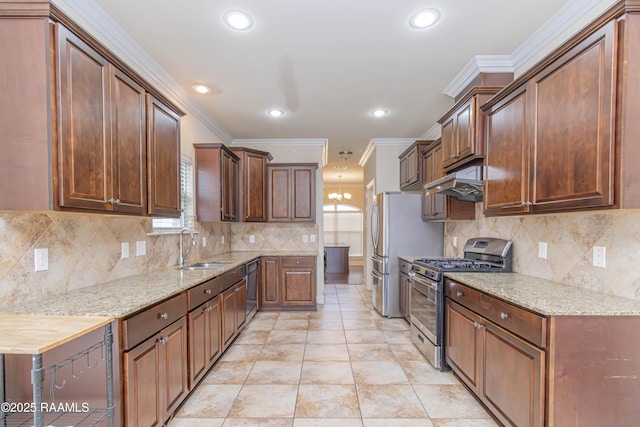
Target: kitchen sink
{"type": "Point", "coordinates": [206, 265]}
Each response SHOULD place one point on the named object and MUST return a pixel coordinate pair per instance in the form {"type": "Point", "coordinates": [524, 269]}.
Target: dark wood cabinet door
{"type": "Point", "coordinates": [229, 189]}
{"type": "Point", "coordinates": [129, 147]}
{"type": "Point", "coordinates": [464, 131]}
{"type": "Point", "coordinates": [228, 316]}
{"type": "Point", "coordinates": [513, 382]}
{"type": "Point", "coordinates": [163, 151]}
{"type": "Point", "coordinates": [214, 329]}
{"type": "Point", "coordinates": [575, 99]}
{"type": "Point", "coordinates": [255, 188]}
{"type": "Point", "coordinates": [142, 385]}
{"type": "Point", "coordinates": [303, 198]}
{"type": "Point", "coordinates": [270, 282]}
{"type": "Point", "coordinates": [173, 366]}
{"type": "Point", "coordinates": [507, 158]}
{"type": "Point", "coordinates": [404, 172]}
{"type": "Point", "coordinates": [198, 345]}
{"type": "Point", "coordinates": [449, 143]}
{"type": "Point", "coordinates": [84, 120]}
{"type": "Point", "coordinates": [279, 194]}
{"type": "Point", "coordinates": [463, 343]}
{"type": "Point", "coordinates": [240, 295]}
{"type": "Point", "coordinates": [298, 286]}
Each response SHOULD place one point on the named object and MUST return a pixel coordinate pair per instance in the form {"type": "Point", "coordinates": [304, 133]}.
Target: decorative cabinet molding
{"type": "Point", "coordinates": [291, 192]}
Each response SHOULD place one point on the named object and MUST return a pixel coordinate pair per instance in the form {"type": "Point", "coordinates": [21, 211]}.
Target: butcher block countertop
{"type": "Point", "coordinates": [547, 297]}
{"type": "Point", "coordinates": [122, 297]}
{"type": "Point", "coordinates": [35, 334]}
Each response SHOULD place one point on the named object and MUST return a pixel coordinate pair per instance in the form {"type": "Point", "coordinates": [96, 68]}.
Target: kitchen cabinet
{"type": "Point", "coordinates": [234, 304]}
{"type": "Point", "coordinates": [412, 172]}
{"type": "Point", "coordinates": [551, 142]}
{"type": "Point", "coordinates": [288, 283]}
{"type": "Point", "coordinates": [435, 206]}
{"type": "Point", "coordinates": [291, 192]}
{"type": "Point", "coordinates": [405, 289]}
{"type": "Point", "coordinates": [86, 132]}
{"type": "Point", "coordinates": [253, 182]}
{"type": "Point", "coordinates": [217, 183]}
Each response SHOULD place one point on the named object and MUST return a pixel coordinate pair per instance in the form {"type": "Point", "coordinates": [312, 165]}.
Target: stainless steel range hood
{"type": "Point", "coordinates": [465, 184]}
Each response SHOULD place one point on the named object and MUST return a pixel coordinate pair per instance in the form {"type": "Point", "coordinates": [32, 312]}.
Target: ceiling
{"type": "Point", "coordinates": [326, 63]}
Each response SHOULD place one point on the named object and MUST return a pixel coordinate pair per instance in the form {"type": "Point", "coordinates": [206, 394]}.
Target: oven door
{"type": "Point", "coordinates": [426, 307]}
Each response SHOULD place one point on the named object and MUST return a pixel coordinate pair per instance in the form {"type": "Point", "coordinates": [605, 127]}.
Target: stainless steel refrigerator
{"type": "Point", "coordinates": [397, 229]}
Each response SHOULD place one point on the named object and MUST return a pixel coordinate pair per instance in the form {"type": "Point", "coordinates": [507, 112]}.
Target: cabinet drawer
{"type": "Point", "coordinates": [465, 296]}
{"type": "Point", "coordinates": [203, 292]}
{"type": "Point", "coordinates": [232, 277]}
{"type": "Point", "coordinates": [527, 325]}
{"type": "Point", "coordinates": [299, 261]}
{"type": "Point", "coordinates": [142, 325]}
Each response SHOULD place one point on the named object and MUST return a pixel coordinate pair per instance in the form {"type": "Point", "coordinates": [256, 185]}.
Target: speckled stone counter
{"type": "Point", "coordinates": [123, 297]}
{"type": "Point", "coordinates": [547, 297]}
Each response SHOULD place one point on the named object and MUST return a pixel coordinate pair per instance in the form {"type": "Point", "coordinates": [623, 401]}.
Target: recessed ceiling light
{"type": "Point", "coordinates": [201, 88]}
{"type": "Point", "coordinates": [379, 112]}
{"type": "Point", "coordinates": [275, 112]}
{"type": "Point", "coordinates": [238, 20]}
{"type": "Point", "coordinates": [424, 18]}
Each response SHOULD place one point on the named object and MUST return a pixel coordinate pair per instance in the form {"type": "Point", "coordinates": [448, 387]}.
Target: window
{"type": "Point", "coordinates": [343, 224]}
{"type": "Point", "coordinates": [186, 189]}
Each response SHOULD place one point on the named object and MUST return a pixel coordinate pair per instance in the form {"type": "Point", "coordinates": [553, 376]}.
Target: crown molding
{"type": "Point", "coordinates": [302, 142]}
{"type": "Point", "coordinates": [478, 64]}
{"type": "Point", "coordinates": [374, 142]}
{"type": "Point", "coordinates": [100, 25]}
{"type": "Point", "coordinates": [433, 133]}
{"type": "Point", "coordinates": [366, 154]}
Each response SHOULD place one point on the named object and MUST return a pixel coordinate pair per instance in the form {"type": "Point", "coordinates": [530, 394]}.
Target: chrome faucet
{"type": "Point", "coordinates": [183, 255]}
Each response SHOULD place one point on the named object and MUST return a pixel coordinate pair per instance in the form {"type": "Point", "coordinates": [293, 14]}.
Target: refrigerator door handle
{"type": "Point", "coordinates": [376, 275]}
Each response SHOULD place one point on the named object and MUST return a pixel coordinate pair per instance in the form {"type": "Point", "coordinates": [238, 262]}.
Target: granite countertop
{"type": "Point", "coordinates": [547, 297]}
{"type": "Point", "coordinates": [122, 297]}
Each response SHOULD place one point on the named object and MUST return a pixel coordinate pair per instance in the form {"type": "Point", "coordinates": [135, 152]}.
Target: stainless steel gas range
{"type": "Point", "coordinates": [427, 290]}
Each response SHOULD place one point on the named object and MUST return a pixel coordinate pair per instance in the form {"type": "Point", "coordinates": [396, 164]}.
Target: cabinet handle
{"type": "Point", "coordinates": [114, 201]}
{"type": "Point", "coordinates": [162, 340]}
{"type": "Point", "coordinates": [459, 294]}
{"type": "Point", "coordinates": [503, 315]}
{"type": "Point", "coordinates": [236, 290]}
{"type": "Point", "coordinates": [163, 316]}
{"type": "Point", "coordinates": [478, 325]}
{"type": "Point", "coordinates": [207, 291]}
{"type": "Point", "coordinates": [206, 309]}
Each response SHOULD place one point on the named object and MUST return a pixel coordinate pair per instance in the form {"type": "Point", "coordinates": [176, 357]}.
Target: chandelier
{"type": "Point", "coordinates": [337, 197]}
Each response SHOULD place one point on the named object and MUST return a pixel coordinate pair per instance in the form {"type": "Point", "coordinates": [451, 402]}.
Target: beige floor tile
{"type": "Point", "coordinates": [288, 352]}
{"type": "Point", "coordinates": [355, 307]}
{"type": "Point", "coordinates": [264, 315]}
{"type": "Point", "coordinates": [389, 401]}
{"type": "Point", "coordinates": [392, 324]}
{"type": "Point", "coordinates": [449, 401]}
{"type": "Point", "coordinates": [359, 352]}
{"type": "Point", "coordinates": [228, 373]}
{"type": "Point", "coordinates": [378, 372]}
{"type": "Point", "coordinates": [284, 315]}
{"type": "Point", "coordinates": [248, 336]}
{"type": "Point", "coordinates": [242, 353]}
{"type": "Point", "coordinates": [275, 372]}
{"type": "Point", "coordinates": [287, 337]}
{"type": "Point", "coordinates": [466, 422]}
{"type": "Point", "coordinates": [325, 324]}
{"type": "Point", "coordinates": [331, 299]}
{"type": "Point", "coordinates": [365, 337]}
{"type": "Point", "coordinates": [265, 401]}
{"type": "Point", "coordinates": [420, 372]}
{"type": "Point", "coordinates": [327, 422]}
{"type": "Point", "coordinates": [291, 324]}
{"type": "Point", "coordinates": [358, 315]}
{"type": "Point", "coordinates": [326, 373]}
{"type": "Point", "coordinates": [407, 352]}
{"type": "Point", "coordinates": [397, 337]}
{"type": "Point", "coordinates": [326, 337]}
{"type": "Point", "coordinates": [210, 401]}
{"type": "Point", "coordinates": [328, 307]}
{"type": "Point", "coordinates": [196, 422]}
{"type": "Point", "coordinates": [327, 401]}
{"type": "Point", "coordinates": [261, 325]}
{"type": "Point", "coordinates": [396, 422]}
{"type": "Point", "coordinates": [256, 422]}
{"type": "Point", "coordinates": [362, 324]}
{"type": "Point", "coordinates": [326, 353]}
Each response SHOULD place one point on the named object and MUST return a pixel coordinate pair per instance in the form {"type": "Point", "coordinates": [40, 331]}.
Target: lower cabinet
{"type": "Point", "coordinates": [205, 339]}
{"type": "Point", "coordinates": [234, 303]}
{"type": "Point", "coordinates": [155, 376]}
{"type": "Point", "coordinates": [288, 283]}
{"type": "Point", "coordinates": [405, 290]}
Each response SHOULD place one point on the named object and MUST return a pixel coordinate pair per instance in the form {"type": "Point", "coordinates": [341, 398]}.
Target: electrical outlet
{"type": "Point", "coordinates": [305, 238]}
{"type": "Point", "coordinates": [41, 258]}
{"type": "Point", "coordinates": [204, 242]}
{"type": "Point", "coordinates": [599, 253]}
{"type": "Point", "coordinates": [252, 238]}
{"type": "Point", "coordinates": [125, 250]}
{"type": "Point", "coordinates": [542, 250]}
{"type": "Point", "coordinates": [454, 241]}
{"type": "Point", "coordinates": [223, 240]}
{"type": "Point", "coordinates": [313, 238]}
{"type": "Point", "coordinates": [141, 248]}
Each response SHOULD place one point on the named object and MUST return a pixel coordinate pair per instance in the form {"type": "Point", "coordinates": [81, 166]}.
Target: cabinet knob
{"type": "Point", "coordinates": [114, 201]}
{"type": "Point", "coordinates": [207, 291]}
{"type": "Point", "coordinates": [459, 294]}
{"type": "Point", "coordinates": [162, 340]}
{"type": "Point", "coordinates": [503, 315]}
{"type": "Point", "coordinates": [478, 325]}
{"type": "Point", "coordinates": [163, 316]}
{"type": "Point", "coordinates": [297, 262]}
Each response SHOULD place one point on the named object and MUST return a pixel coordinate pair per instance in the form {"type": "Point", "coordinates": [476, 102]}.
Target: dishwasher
{"type": "Point", "coordinates": [252, 272]}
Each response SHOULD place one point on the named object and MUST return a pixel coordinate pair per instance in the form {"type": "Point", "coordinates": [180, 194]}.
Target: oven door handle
{"type": "Point", "coordinates": [377, 275]}
{"type": "Point", "coordinates": [432, 285]}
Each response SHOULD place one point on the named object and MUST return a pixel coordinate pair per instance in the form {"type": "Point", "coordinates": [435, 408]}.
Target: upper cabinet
{"type": "Point", "coordinates": [217, 183]}
{"type": "Point", "coordinates": [291, 192]}
{"type": "Point", "coordinates": [91, 142]}
{"type": "Point", "coordinates": [412, 174]}
{"type": "Point", "coordinates": [253, 182]}
{"type": "Point", "coordinates": [564, 135]}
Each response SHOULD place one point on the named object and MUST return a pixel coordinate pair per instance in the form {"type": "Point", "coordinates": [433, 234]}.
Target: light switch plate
{"type": "Point", "coordinates": [204, 242]}
{"type": "Point", "coordinates": [599, 253]}
{"type": "Point", "coordinates": [305, 238]}
{"type": "Point", "coordinates": [252, 238]}
{"type": "Point", "coordinates": [313, 238]}
{"type": "Point", "coordinates": [454, 241]}
{"type": "Point", "coordinates": [542, 250]}
{"type": "Point", "coordinates": [141, 248]}
{"type": "Point", "coordinates": [125, 250]}
{"type": "Point", "coordinates": [223, 240]}
{"type": "Point", "coordinates": [41, 258]}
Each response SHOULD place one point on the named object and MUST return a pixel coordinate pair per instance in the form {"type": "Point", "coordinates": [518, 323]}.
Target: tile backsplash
{"type": "Point", "coordinates": [85, 249]}
{"type": "Point", "coordinates": [570, 239]}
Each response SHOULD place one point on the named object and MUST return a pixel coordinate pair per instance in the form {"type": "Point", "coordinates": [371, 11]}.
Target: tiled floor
{"type": "Point", "coordinates": [343, 365]}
